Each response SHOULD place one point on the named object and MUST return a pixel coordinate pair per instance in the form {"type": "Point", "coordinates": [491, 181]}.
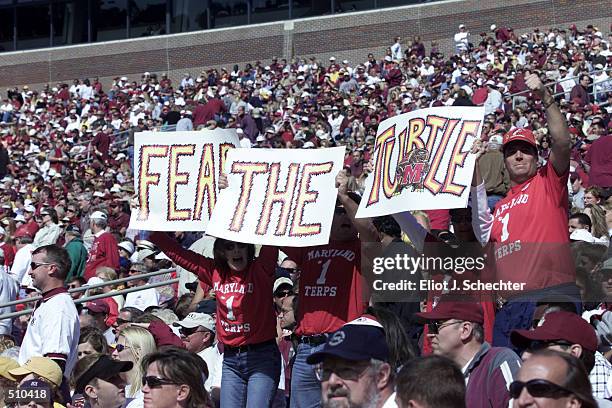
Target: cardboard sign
{"type": "Point", "coordinates": [175, 177]}
{"type": "Point", "coordinates": [278, 197]}
{"type": "Point", "coordinates": [422, 161]}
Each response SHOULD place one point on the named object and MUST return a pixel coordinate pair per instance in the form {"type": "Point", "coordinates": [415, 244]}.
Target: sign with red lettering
{"type": "Point", "coordinates": [422, 161]}
{"type": "Point", "coordinates": [278, 197]}
{"type": "Point", "coordinates": [175, 177]}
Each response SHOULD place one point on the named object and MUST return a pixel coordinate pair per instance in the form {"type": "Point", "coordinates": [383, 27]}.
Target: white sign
{"type": "Point", "coordinates": [175, 177]}
{"type": "Point", "coordinates": [422, 161]}
{"type": "Point", "coordinates": [278, 197]}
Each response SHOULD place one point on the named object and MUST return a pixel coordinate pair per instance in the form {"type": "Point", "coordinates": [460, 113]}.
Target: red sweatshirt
{"type": "Point", "coordinates": [104, 252]}
{"type": "Point", "coordinates": [245, 312]}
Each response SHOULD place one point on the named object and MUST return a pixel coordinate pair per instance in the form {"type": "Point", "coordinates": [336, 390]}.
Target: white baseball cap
{"type": "Point", "coordinates": [281, 281]}
{"type": "Point", "coordinates": [194, 320]}
{"type": "Point", "coordinates": [98, 215]}
{"type": "Point", "coordinates": [30, 208]}
{"type": "Point", "coordinates": [127, 245]}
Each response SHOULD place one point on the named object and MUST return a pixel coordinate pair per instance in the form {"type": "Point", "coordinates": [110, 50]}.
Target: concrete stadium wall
{"type": "Point", "coordinates": [347, 36]}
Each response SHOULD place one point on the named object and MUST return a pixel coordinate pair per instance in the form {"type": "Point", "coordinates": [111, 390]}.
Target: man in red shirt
{"type": "Point", "coordinates": [104, 250]}
{"type": "Point", "coordinates": [528, 229]}
{"type": "Point", "coordinates": [331, 292]}
{"type": "Point", "coordinates": [31, 226]}
{"type": "Point", "coordinates": [599, 157]}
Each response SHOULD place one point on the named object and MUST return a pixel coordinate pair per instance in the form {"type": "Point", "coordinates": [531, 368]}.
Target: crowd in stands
{"type": "Point", "coordinates": [236, 325]}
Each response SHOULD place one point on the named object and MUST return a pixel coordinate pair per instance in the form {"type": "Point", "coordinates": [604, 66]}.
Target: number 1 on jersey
{"type": "Point", "coordinates": [323, 276]}
{"type": "Point", "coordinates": [230, 311]}
{"type": "Point", "coordinates": [504, 221]}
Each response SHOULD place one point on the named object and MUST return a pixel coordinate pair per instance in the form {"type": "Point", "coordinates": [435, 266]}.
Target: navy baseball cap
{"type": "Point", "coordinates": [207, 306]}
{"type": "Point", "coordinates": [361, 339]}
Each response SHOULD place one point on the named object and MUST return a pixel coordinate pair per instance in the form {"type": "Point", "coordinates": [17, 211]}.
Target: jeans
{"type": "Point", "coordinates": [518, 312]}
{"type": "Point", "coordinates": [305, 388]}
{"type": "Point", "coordinates": [250, 378]}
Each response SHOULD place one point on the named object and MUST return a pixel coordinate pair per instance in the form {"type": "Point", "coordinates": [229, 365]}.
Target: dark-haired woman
{"type": "Point", "coordinates": [246, 322]}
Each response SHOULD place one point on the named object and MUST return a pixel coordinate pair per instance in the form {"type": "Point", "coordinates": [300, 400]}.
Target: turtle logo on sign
{"type": "Point", "coordinates": [412, 170]}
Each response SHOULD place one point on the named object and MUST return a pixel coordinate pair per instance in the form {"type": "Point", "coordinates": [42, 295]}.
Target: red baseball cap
{"type": "Point", "coordinates": [97, 306]}
{"type": "Point", "coordinates": [519, 134]}
{"type": "Point", "coordinates": [468, 310]}
{"type": "Point", "coordinates": [561, 325]}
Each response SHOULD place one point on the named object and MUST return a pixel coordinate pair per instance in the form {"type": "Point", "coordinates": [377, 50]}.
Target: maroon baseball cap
{"type": "Point", "coordinates": [463, 309]}
{"type": "Point", "coordinates": [520, 134]}
{"type": "Point", "coordinates": [97, 306]}
{"type": "Point", "coordinates": [560, 325]}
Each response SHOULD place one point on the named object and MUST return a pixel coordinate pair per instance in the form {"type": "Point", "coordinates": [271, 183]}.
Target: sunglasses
{"type": "Point", "coordinates": [121, 347]}
{"type": "Point", "coordinates": [283, 293]}
{"type": "Point", "coordinates": [230, 246]}
{"type": "Point", "coordinates": [188, 332]}
{"type": "Point", "coordinates": [340, 210]}
{"type": "Point", "coordinates": [119, 321]}
{"type": "Point", "coordinates": [34, 265]}
{"type": "Point", "coordinates": [156, 382]}
{"type": "Point", "coordinates": [538, 389]}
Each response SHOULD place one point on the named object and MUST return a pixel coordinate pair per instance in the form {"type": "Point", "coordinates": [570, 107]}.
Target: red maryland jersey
{"type": "Point", "coordinates": [331, 290]}
{"type": "Point", "coordinates": [529, 232]}
{"type": "Point", "coordinates": [245, 311]}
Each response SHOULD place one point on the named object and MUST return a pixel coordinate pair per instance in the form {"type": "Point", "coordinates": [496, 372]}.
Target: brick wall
{"type": "Point", "coordinates": [349, 36]}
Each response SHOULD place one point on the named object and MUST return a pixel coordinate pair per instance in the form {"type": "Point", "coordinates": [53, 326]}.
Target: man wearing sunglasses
{"type": "Point", "coordinates": [568, 333]}
{"type": "Point", "coordinates": [552, 379]}
{"type": "Point", "coordinates": [197, 331]}
{"type": "Point", "coordinates": [53, 330]}
{"type": "Point", "coordinates": [456, 331]}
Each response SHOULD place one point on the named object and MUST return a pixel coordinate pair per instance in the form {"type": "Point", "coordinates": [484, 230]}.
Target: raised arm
{"type": "Point", "coordinates": [364, 226]}
{"type": "Point", "coordinates": [557, 126]}
{"type": "Point", "coordinates": [482, 219]}
{"type": "Point", "coordinates": [186, 259]}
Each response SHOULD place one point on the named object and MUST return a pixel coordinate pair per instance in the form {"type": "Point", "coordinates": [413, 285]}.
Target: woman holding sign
{"type": "Point", "coordinates": [246, 322]}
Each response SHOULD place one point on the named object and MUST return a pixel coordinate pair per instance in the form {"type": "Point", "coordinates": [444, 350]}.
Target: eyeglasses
{"type": "Point", "coordinates": [231, 245]}
{"type": "Point", "coordinates": [539, 388]}
{"type": "Point", "coordinates": [349, 373]}
{"type": "Point", "coordinates": [185, 332]}
{"type": "Point", "coordinates": [435, 327]}
{"type": "Point", "coordinates": [156, 382]}
{"type": "Point", "coordinates": [35, 265]}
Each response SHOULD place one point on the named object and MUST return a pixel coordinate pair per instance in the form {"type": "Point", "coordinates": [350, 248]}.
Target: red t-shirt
{"type": "Point", "coordinates": [245, 311]}
{"type": "Point", "coordinates": [529, 233]}
{"type": "Point", "coordinates": [331, 290]}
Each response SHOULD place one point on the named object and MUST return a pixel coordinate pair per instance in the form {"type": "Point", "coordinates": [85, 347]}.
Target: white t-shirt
{"type": "Point", "coordinates": [142, 299]}
{"type": "Point", "coordinates": [53, 330]}
{"type": "Point", "coordinates": [8, 293]}
{"type": "Point", "coordinates": [212, 357]}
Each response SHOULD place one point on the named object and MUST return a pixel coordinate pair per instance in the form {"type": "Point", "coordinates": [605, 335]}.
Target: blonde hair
{"type": "Point", "coordinates": [140, 342]}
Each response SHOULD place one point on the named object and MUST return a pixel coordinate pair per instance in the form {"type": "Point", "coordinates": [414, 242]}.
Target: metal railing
{"type": "Point", "coordinates": [94, 286]}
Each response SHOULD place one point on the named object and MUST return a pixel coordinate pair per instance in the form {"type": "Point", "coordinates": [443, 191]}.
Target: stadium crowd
{"type": "Point", "coordinates": [210, 339]}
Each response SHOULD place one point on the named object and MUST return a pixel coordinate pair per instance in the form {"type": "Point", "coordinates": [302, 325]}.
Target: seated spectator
{"type": "Point", "coordinates": [97, 377]}
{"type": "Point", "coordinates": [456, 332]}
{"type": "Point", "coordinates": [430, 382]}
{"type": "Point", "coordinates": [92, 341]}
{"type": "Point", "coordinates": [569, 333]}
{"type": "Point", "coordinates": [353, 367]}
{"type": "Point", "coordinates": [552, 378]}
{"type": "Point", "coordinates": [133, 344]}
{"type": "Point", "coordinates": [144, 298]}
{"type": "Point", "coordinates": [198, 334]}
{"type": "Point", "coordinates": [174, 378]}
